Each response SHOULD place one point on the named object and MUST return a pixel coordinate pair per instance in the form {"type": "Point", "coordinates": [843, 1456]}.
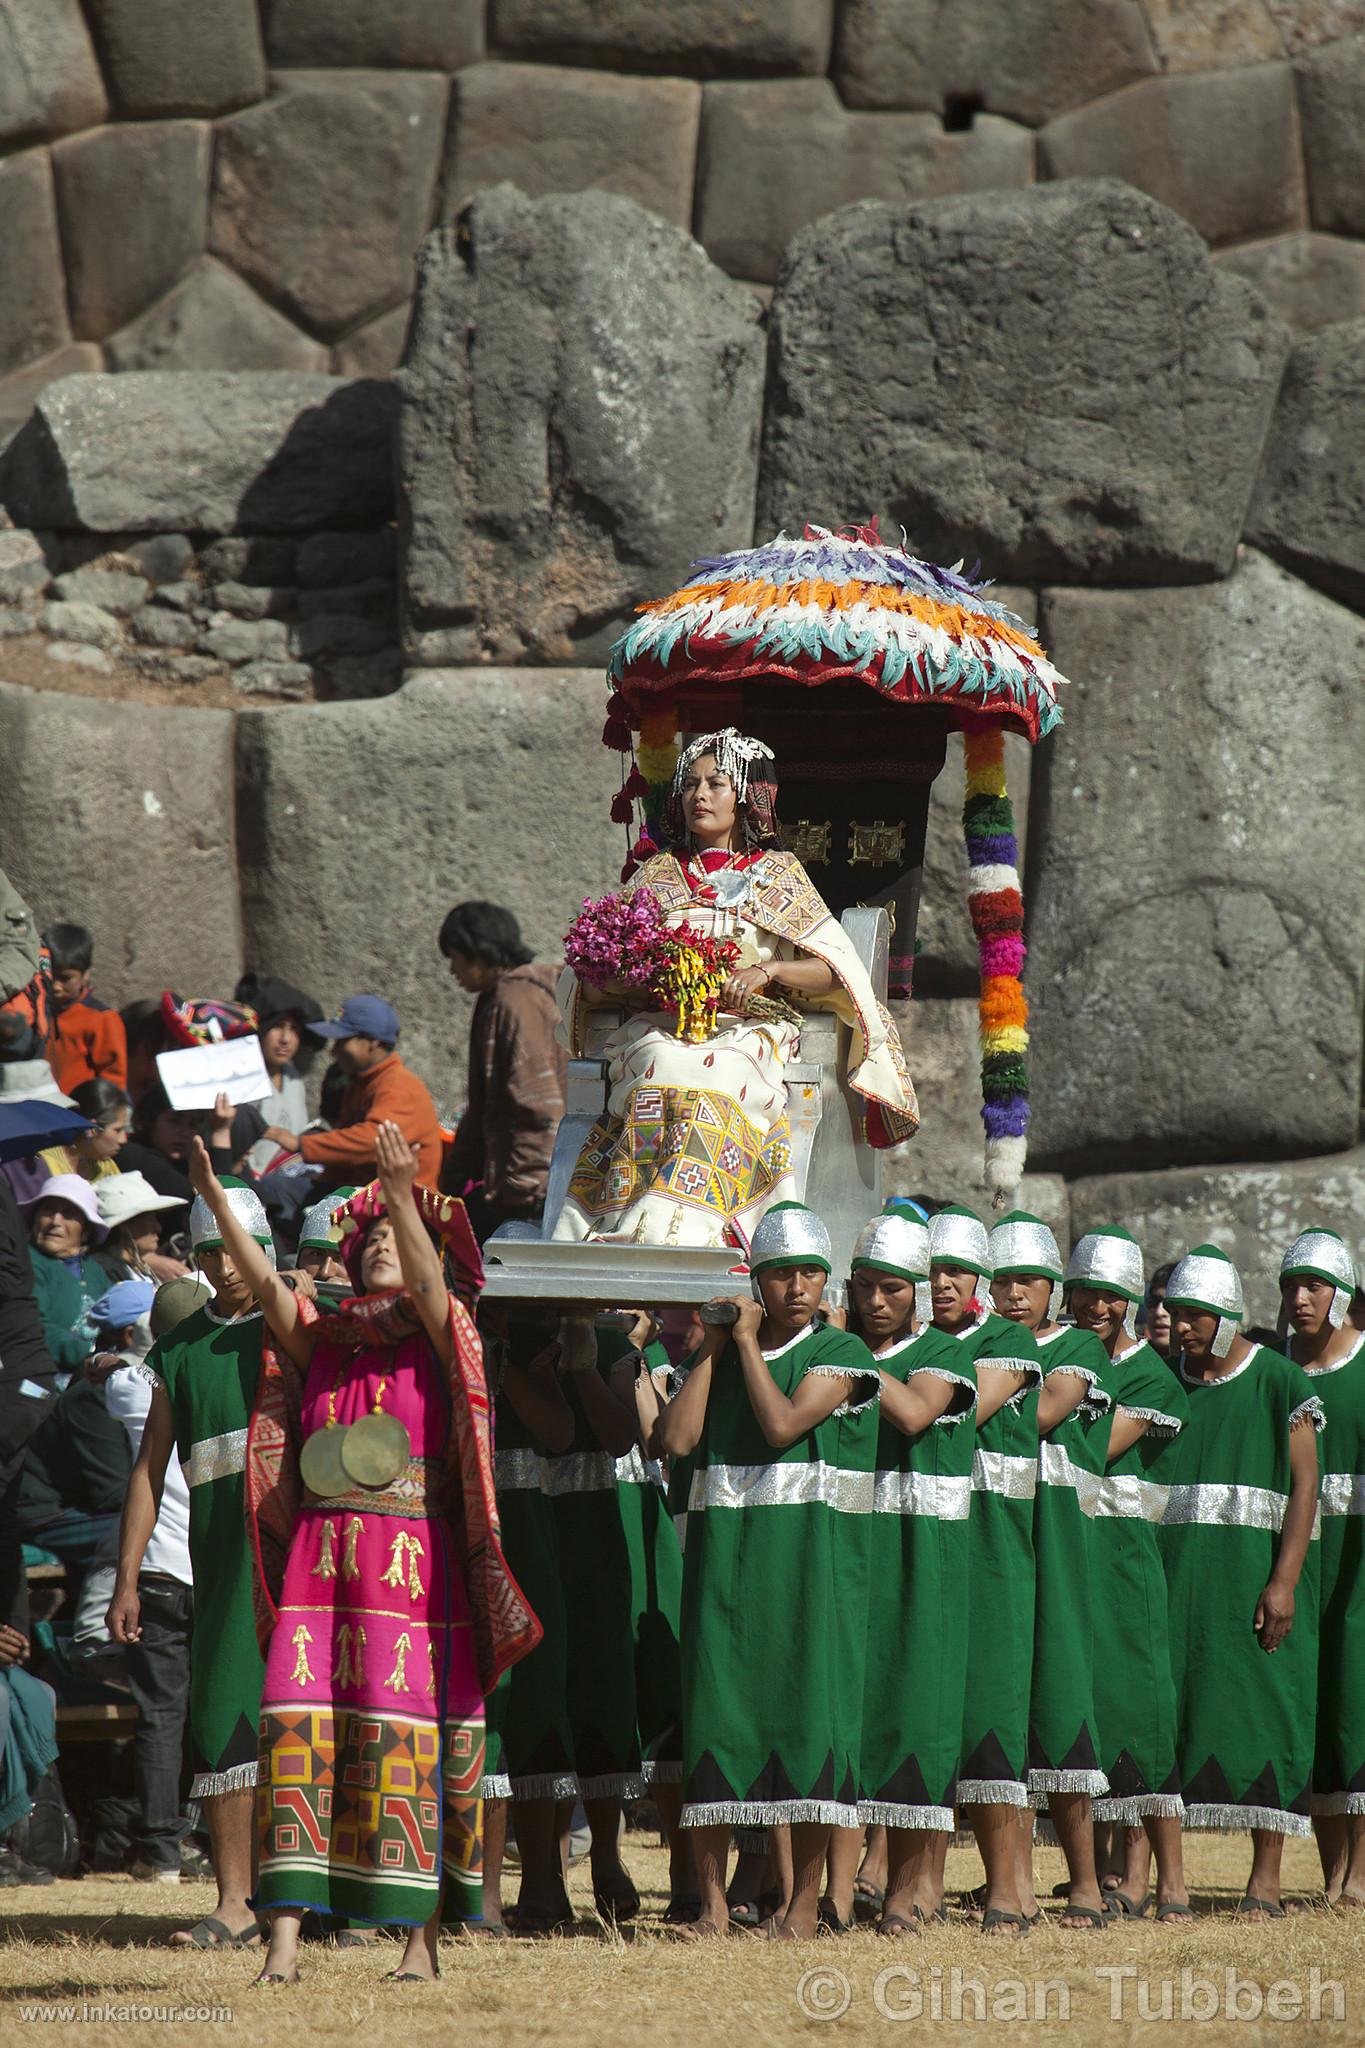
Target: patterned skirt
{"type": "Point", "coordinates": [695, 1139]}
{"type": "Point", "coordinates": [372, 1719]}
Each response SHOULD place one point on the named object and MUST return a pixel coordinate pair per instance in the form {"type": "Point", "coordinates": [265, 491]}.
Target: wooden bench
{"type": "Point", "coordinates": [100, 1721]}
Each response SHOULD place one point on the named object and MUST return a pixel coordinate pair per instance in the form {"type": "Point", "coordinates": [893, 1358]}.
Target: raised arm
{"type": "Point", "coordinates": [994, 1386]}
{"type": "Point", "coordinates": [1125, 1430]}
{"type": "Point", "coordinates": [611, 1420]}
{"type": "Point", "coordinates": [535, 1393]}
{"type": "Point", "coordinates": [417, 1255]}
{"type": "Point", "coordinates": [681, 1421]}
{"type": "Point", "coordinates": [913, 1404]}
{"type": "Point", "coordinates": [783, 1419]}
{"type": "Point", "coordinates": [1062, 1394]}
{"type": "Point", "coordinates": [275, 1296]}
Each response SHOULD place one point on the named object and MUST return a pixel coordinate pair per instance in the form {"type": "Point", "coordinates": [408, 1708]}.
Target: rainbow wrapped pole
{"type": "Point", "coordinates": [996, 904]}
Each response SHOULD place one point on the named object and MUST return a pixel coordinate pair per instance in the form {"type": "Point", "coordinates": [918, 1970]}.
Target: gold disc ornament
{"type": "Point", "coordinates": [375, 1450]}
{"type": "Point", "coordinates": [320, 1463]}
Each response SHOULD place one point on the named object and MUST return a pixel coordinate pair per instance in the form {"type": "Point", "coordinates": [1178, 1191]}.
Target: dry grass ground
{"type": "Point", "coordinates": [99, 1942]}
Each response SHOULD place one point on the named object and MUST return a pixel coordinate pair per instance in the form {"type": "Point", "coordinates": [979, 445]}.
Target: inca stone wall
{"type": "Point", "coordinates": [243, 184]}
{"type": "Point", "coordinates": [1137, 398]}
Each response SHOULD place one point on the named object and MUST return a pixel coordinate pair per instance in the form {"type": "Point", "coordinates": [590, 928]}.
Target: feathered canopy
{"type": "Point", "coordinates": [833, 605]}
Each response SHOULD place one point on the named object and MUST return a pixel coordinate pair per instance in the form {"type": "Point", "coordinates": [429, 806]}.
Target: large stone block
{"type": "Point", "coordinates": [1306, 24]}
{"type": "Point", "coordinates": [413, 35]}
{"type": "Point", "coordinates": [179, 56]}
{"type": "Point", "coordinates": [376, 349]}
{"type": "Point", "coordinates": [776, 155]}
{"type": "Point", "coordinates": [212, 320]}
{"type": "Point", "coordinates": [132, 202]}
{"type": "Point", "coordinates": [1055, 380]}
{"type": "Point", "coordinates": [1331, 85]}
{"type": "Point", "coordinates": [49, 80]}
{"type": "Point", "coordinates": [1219, 147]}
{"type": "Point", "coordinates": [1209, 35]}
{"type": "Point", "coordinates": [550, 130]}
{"type": "Point", "coordinates": [1253, 1212]}
{"type": "Point", "coordinates": [1029, 59]}
{"type": "Point", "coordinates": [1197, 929]}
{"type": "Point", "coordinates": [703, 37]}
{"type": "Point", "coordinates": [438, 773]}
{"type": "Point", "coordinates": [1309, 508]}
{"type": "Point", "coordinates": [579, 420]}
{"type": "Point", "coordinates": [1310, 280]}
{"type": "Point", "coordinates": [32, 294]}
{"type": "Point", "coordinates": [945, 1160]}
{"type": "Point", "coordinates": [335, 159]}
{"type": "Point", "coordinates": [144, 853]}
{"type": "Point", "coordinates": [213, 452]}
{"type": "Point", "coordinates": [20, 393]}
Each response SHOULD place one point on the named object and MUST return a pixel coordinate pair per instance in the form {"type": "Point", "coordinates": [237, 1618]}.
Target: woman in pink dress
{"type": "Point", "coordinates": [383, 1601]}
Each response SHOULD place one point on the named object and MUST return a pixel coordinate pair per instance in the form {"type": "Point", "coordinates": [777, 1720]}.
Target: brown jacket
{"type": "Point", "coordinates": [389, 1092]}
{"type": "Point", "coordinates": [516, 1091]}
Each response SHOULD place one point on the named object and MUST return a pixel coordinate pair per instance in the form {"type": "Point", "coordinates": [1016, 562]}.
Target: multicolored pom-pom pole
{"type": "Point", "coordinates": [996, 903]}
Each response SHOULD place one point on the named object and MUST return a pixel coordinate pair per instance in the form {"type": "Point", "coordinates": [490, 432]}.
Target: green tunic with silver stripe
{"type": "Point", "coordinates": [1000, 1574]}
{"type": "Point", "coordinates": [1244, 1742]}
{"type": "Point", "coordinates": [775, 1598]}
{"type": "Point", "coordinates": [917, 1579]}
{"type": "Point", "coordinates": [1064, 1742]}
{"type": "Point", "coordinates": [1134, 1690]}
{"type": "Point", "coordinates": [1339, 1758]}
{"type": "Point", "coordinates": [210, 1370]}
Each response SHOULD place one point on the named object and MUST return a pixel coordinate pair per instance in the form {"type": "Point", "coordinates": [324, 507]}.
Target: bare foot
{"type": "Point", "coordinates": [704, 1928]}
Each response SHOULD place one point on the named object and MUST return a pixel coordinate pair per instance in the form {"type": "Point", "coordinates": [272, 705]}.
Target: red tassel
{"type": "Point", "coordinates": [616, 734]}
{"type": "Point", "coordinates": [643, 847]}
{"type": "Point", "coordinates": [617, 707]}
{"type": "Point", "coordinates": [636, 786]}
{"type": "Point", "coordinates": [622, 809]}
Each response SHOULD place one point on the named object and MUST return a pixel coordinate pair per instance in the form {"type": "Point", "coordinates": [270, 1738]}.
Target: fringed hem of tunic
{"type": "Point", "coordinates": [992, 1792]}
{"type": "Point", "coordinates": [1130, 1813]}
{"type": "Point", "coordinates": [1337, 1802]}
{"type": "Point", "coordinates": [613, 1785]}
{"type": "Point", "coordinates": [564, 1786]}
{"type": "Point", "coordinates": [241, 1778]}
{"type": "Point", "coordinates": [770, 1813]}
{"type": "Point", "coordinates": [1041, 1784]}
{"type": "Point", "coordinates": [1235, 1820]}
{"type": "Point", "coordinates": [883, 1813]}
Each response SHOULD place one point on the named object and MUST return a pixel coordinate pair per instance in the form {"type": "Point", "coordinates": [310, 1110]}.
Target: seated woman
{"type": "Point", "coordinates": [695, 1144]}
{"type": "Point", "coordinates": [64, 1224]}
{"type": "Point", "coordinates": [94, 1155]}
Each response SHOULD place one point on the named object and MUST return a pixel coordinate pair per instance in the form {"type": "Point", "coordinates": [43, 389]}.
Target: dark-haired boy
{"type": "Point", "coordinates": [88, 1040]}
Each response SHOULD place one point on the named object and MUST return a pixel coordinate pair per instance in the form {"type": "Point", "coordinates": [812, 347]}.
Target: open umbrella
{"type": "Point", "coordinates": [27, 1127]}
{"type": "Point", "coordinates": [846, 608]}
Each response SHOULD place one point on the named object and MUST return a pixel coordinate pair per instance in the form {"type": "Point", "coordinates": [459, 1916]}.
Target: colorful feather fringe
{"type": "Point", "coordinates": [836, 605]}
{"type": "Point", "coordinates": [997, 912]}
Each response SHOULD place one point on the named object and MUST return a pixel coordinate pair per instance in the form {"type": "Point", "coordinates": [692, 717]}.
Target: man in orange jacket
{"type": "Point", "coordinates": [381, 1090]}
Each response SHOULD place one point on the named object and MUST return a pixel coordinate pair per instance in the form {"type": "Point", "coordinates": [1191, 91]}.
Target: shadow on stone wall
{"type": "Point", "coordinates": [1060, 379]}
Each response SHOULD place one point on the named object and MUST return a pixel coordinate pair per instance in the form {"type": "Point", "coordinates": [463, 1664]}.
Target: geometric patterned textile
{"type": "Point", "coordinates": [694, 1146]}
{"type": "Point", "coordinates": [351, 1821]}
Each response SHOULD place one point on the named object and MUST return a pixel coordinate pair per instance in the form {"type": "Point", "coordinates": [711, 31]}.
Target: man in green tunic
{"type": "Point", "coordinates": [1064, 1745]}
{"type": "Point", "coordinates": [916, 1645]}
{"type": "Point", "coordinates": [1317, 1281]}
{"type": "Point", "coordinates": [1135, 1702]}
{"type": "Point", "coordinates": [1000, 1568]}
{"type": "Point", "coordinates": [781, 1415]}
{"type": "Point", "coordinates": [1242, 1574]}
{"type": "Point", "coordinates": [204, 1375]}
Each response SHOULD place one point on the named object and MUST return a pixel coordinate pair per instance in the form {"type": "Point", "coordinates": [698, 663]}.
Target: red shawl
{"type": "Point", "coordinates": [505, 1628]}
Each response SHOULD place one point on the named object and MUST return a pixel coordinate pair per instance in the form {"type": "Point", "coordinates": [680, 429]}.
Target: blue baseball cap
{"type": "Point", "coordinates": [361, 1017]}
{"type": "Point", "coordinates": [124, 1304]}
